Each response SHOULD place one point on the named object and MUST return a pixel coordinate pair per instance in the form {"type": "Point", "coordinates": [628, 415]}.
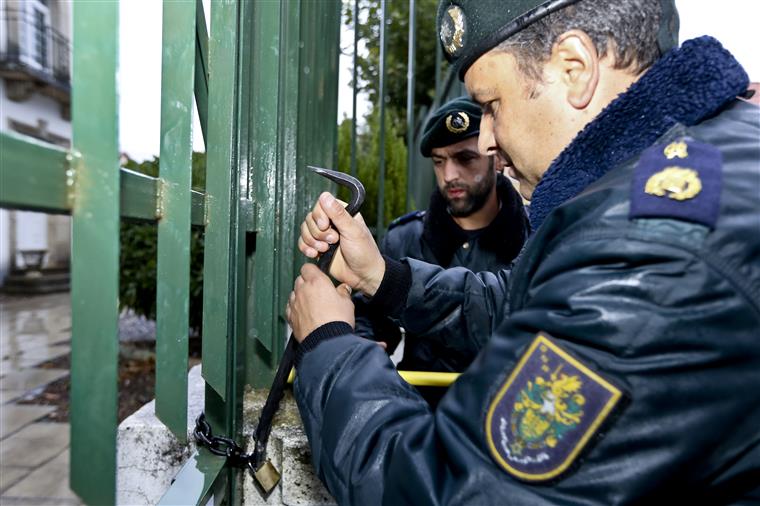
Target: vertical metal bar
{"type": "Point", "coordinates": [201, 67]}
{"type": "Point", "coordinates": [265, 102]}
{"type": "Point", "coordinates": [330, 82]}
{"type": "Point", "coordinates": [410, 85]}
{"type": "Point", "coordinates": [317, 136]}
{"type": "Point", "coordinates": [173, 274]}
{"type": "Point", "coordinates": [438, 59]}
{"type": "Point", "coordinates": [291, 73]}
{"type": "Point", "coordinates": [222, 197]}
{"type": "Point", "coordinates": [236, 345]}
{"type": "Point", "coordinates": [95, 259]}
{"type": "Point", "coordinates": [355, 86]}
{"type": "Point", "coordinates": [380, 226]}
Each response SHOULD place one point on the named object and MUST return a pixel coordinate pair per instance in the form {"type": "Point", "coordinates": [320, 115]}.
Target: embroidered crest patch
{"type": "Point", "coordinates": [546, 412]}
{"type": "Point", "coordinates": [679, 180]}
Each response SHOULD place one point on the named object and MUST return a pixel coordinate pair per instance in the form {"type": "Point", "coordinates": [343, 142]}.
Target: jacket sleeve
{"type": "Point", "coordinates": [372, 322]}
{"type": "Point", "coordinates": [455, 306]}
{"type": "Point", "coordinates": [687, 360]}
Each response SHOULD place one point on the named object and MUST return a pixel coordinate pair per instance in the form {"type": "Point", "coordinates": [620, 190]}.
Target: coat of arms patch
{"type": "Point", "coordinates": [546, 412]}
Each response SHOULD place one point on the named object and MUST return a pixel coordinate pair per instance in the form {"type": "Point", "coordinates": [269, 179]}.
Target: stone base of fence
{"type": "Point", "coordinates": [149, 456]}
{"type": "Point", "coordinates": [289, 451]}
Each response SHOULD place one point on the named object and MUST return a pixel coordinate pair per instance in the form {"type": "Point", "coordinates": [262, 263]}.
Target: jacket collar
{"type": "Point", "coordinates": [503, 237]}
{"type": "Point", "coordinates": [685, 86]}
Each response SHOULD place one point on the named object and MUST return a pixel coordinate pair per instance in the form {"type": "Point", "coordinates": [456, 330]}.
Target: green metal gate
{"type": "Point", "coordinates": [265, 82]}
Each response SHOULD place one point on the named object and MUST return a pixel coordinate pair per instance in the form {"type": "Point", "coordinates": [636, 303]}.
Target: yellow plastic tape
{"type": "Point", "coordinates": [416, 378]}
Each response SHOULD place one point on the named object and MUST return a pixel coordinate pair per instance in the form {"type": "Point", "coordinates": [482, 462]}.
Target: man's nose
{"type": "Point", "coordinates": [486, 140]}
{"type": "Point", "coordinates": [450, 171]}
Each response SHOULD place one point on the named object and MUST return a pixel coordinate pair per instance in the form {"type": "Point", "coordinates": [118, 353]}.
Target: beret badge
{"type": "Point", "coordinates": [458, 122]}
{"type": "Point", "coordinates": [453, 30]}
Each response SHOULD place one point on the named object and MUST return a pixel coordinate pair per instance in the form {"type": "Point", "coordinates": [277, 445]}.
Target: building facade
{"type": "Point", "coordinates": [35, 98]}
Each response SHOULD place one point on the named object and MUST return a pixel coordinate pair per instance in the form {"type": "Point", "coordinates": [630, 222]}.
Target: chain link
{"type": "Point", "coordinates": [220, 445]}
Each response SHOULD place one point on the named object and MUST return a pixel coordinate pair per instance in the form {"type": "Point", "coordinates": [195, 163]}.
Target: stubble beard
{"type": "Point", "coordinates": [475, 196]}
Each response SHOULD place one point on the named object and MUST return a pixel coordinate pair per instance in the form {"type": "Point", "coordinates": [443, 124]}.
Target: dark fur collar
{"type": "Point", "coordinates": [686, 86]}
{"type": "Point", "coordinates": [504, 236]}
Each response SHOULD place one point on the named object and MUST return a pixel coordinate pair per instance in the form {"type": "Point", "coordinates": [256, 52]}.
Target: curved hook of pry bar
{"type": "Point", "coordinates": [264, 473]}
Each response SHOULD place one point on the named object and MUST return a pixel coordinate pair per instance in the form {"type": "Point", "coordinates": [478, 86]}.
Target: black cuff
{"type": "Point", "coordinates": [391, 295]}
{"type": "Point", "coordinates": [326, 331]}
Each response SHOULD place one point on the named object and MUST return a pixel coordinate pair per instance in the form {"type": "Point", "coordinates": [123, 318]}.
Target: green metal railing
{"type": "Point", "coordinates": [265, 85]}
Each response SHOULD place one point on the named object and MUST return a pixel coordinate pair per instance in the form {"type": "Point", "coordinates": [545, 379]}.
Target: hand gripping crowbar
{"type": "Point", "coordinates": [264, 472]}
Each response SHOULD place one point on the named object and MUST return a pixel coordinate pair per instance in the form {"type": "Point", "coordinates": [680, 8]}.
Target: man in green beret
{"type": "Point", "coordinates": [623, 365]}
{"type": "Point", "coordinates": [475, 219]}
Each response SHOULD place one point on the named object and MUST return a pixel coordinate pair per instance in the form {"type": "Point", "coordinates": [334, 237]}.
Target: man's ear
{"type": "Point", "coordinates": [575, 58]}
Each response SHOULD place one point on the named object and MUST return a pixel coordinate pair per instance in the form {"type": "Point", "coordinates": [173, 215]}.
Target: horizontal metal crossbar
{"type": "Point", "coordinates": [38, 176]}
{"type": "Point", "coordinates": [34, 175]}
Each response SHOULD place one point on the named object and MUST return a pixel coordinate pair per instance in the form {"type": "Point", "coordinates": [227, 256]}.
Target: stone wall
{"type": "Point", "coordinates": [149, 456]}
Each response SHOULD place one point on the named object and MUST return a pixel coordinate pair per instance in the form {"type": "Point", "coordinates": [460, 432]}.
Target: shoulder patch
{"type": "Point", "coordinates": [414, 215]}
{"type": "Point", "coordinates": [680, 180]}
{"type": "Point", "coordinates": [549, 408]}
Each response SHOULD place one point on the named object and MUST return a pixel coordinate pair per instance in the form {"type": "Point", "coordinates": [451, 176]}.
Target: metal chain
{"type": "Point", "coordinates": [220, 445]}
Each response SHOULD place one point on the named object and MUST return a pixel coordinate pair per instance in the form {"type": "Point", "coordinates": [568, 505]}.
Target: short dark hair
{"type": "Point", "coordinates": [629, 28]}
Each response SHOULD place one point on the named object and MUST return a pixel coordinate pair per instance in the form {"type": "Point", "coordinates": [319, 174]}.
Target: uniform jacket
{"type": "Point", "coordinates": [645, 388]}
{"type": "Point", "coordinates": [434, 237]}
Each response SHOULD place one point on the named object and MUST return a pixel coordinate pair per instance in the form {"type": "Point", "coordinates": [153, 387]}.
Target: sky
{"type": "Point", "coordinates": [734, 23]}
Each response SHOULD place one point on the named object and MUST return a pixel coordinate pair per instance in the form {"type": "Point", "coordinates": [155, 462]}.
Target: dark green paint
{"type": "Point", "coordinates": [222, 195]}
{"type": "Point", "coordinates": [33, 175]}
{"type": "Point", "coordinates": [201, 68]}
{"type": "Point", "coordinates": [139, 199]}
{"type": "Point", "coordinates": [173, 275]}
{"type": "Point", "coordinates": [200, 477]}
{"type": "Point", "coordinates": [95, 253]}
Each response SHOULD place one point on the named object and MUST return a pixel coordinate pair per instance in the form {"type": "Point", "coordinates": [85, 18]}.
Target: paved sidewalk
{"type": "Point", "coordinates": [34, 454]}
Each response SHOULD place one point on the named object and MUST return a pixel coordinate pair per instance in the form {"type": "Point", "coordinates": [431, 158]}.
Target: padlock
{"type": "Point", "coordinates": [266, 476]}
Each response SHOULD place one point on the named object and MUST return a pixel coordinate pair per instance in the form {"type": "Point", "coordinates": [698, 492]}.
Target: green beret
{"type": "Point", "coordinates": [453, 122]}
{"type": "Point", "coordinates": [470, 28]}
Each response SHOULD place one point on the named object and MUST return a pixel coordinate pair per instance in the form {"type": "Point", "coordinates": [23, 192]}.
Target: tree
{"type": "Point", "coordinates": [397, 36]}
{"type": "Point", "coordinates": [368, 67]}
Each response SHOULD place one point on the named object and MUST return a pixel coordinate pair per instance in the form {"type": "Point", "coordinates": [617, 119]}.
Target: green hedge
{"type": "Point", "coordinates": [138, 259]}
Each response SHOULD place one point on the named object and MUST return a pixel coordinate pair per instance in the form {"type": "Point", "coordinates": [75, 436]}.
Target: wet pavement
{"type": "Point", "coordinates": [34, 456]}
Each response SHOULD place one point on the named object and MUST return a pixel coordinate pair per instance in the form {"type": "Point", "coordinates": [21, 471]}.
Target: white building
{"type": "Point", "coordinates": [35, 98]}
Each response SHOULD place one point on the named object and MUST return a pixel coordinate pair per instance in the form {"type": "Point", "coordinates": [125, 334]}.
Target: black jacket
{"type": "Point", "coordinates": [624, 366]}
{"type": "Point", "coordinates": [434, 237]}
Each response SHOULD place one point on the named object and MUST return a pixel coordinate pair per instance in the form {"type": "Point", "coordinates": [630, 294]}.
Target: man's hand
{"type": "Point", "coordinates": [314, 301]}
{"type": "Point", "coordinates": [357, 262]}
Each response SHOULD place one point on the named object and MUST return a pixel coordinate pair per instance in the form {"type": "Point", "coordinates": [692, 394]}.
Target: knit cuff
{"type": "Point", "coordinates": [326, 331]}
{"type": "Point", "coordinates": [393, 291]}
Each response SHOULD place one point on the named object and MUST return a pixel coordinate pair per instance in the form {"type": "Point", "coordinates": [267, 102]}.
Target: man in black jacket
{"type": "Point", "coordinates": [475, 220]}
{"type": "Point", "coordinates": [624, 360]}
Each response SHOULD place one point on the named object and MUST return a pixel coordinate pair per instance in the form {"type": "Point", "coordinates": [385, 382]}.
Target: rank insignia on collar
{"type": "Point", "coordinates": [677, 149]}
{"type": "Point", "coordinates": [453, 30]}
{"type": "Point", "coordinates": [680, 180]}
{"type": "Point", "coordinates": [547, 411]}
{"type": "Point", "coordinates": [675, 183]}
{"type": "Point", "coordinates": [457, 123]}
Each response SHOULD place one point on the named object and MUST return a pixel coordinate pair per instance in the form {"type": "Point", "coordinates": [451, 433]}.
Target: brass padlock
{"type": "Point", "coordinates": [267, 477]}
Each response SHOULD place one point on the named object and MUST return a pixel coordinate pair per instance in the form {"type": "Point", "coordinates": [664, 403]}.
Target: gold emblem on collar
{"type": "Point", "coordinates": [452, 30]}
{"type": "Point", "coordinates": [676, 183]}
{"type": "Point", "coordinates": [676, 149]}
{"type": "Point", "coordinates": [457, 122]}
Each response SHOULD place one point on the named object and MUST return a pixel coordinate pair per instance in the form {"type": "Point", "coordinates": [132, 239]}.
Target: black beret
{"type": "Point", "coordinates": [453, 122]}
{"type": "Point", "coordinates": [469, 28]}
